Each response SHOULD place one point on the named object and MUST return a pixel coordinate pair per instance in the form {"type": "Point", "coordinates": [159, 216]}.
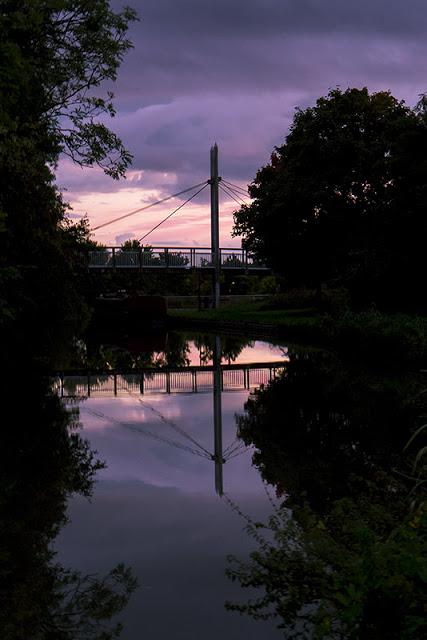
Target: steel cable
{"type": "Point", "coordinates": [148, 206]}
{"type": "Point", "coordinates": [173, 212]}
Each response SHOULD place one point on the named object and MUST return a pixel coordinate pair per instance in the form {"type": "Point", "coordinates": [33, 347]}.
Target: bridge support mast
{"type": "Point", "coordinates": [214, 182]}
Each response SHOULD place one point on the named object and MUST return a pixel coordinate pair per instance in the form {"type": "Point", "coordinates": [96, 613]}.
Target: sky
{"type": "Point", "coordinates": [233, 72]}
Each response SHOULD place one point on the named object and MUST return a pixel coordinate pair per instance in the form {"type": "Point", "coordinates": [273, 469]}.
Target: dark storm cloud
{"type": "Point", "coordinates": [193, 45]}
{"type": "Point", "coordinates": [213, 70]}
{"type": "Point", "coordinates": [269, 17]}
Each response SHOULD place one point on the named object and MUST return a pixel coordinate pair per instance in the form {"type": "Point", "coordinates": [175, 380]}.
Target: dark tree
{"type": "Point", "coordinates": [54, 54]}
{"type": "Point", "coordinates": [343, 199]}
{"type": "Point", "coordinates": [132, 245]}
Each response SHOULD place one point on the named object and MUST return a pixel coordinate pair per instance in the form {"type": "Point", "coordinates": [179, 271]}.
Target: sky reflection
{"type": "Point", "coordinates": [154, 507]}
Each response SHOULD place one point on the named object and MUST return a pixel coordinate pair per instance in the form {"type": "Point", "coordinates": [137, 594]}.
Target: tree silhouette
{"type": "Point", "coordinates": [342, 200]}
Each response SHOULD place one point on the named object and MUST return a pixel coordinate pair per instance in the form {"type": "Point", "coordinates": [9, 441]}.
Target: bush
{"type": "Point", "coordinates": [292, 299]}
{"type": "Point", "coordinates": [335, 301]}
{"type": "Point", "coordinates": [372, 333]}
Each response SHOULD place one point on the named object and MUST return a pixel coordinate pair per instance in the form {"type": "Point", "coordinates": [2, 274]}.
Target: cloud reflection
{"type": "Point", "coordinates": [154, 508]}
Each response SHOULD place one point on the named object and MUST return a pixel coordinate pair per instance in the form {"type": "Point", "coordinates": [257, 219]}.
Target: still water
{"type": "Point", "coordinates": [177, 480]}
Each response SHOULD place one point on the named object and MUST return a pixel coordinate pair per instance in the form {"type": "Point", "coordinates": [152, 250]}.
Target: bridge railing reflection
{"type": "Point", "coordinates": [189, 380]}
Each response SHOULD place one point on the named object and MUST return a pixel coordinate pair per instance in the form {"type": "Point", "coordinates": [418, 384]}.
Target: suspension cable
{"type": "Point", "coordinates": [236, 187]}
{"type": "Point", "coordinates": [205, 184]}
{"type": "Point", "coordinates": [236, 451]}
{"type": "Point", "coordinates": [240, 194]}
{"type": "Point", "coordinates": [230, 195]}
{"type": "Point", "coordinates": [232, 444]}
{"type": "Point", "coordinates": [148, 206]}
{"type": "Point", "coordinates": [236, 455]}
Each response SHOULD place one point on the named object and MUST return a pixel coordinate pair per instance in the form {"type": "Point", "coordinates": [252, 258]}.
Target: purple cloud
{"type": "Point", "coordinates": [233, 73]}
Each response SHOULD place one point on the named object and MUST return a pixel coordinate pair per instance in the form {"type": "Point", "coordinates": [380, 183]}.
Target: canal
{"type": "Point", "coordinates": [194, 485]}
{"type": "Point", "coordinates": [155, 506]}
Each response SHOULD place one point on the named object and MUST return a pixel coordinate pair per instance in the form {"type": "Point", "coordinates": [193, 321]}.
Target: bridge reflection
{"type": "Point", "coordinates": [195, 379]}
{"type": "Point", "coordinates": [212, 379]}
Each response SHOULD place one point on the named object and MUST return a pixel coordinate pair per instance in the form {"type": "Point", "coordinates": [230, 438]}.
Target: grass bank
{"type": "Point", "coordinates": [398, 337]}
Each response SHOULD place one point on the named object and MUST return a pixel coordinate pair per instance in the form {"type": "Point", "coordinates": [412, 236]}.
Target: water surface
{"type": "Point", "coordinates": [156, 506]}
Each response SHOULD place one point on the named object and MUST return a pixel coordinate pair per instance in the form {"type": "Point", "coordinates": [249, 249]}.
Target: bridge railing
{"type": "Point", "coordinates": [170, 258]}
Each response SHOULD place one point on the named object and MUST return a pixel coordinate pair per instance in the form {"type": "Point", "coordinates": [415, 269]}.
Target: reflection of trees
{"type": "Point", "coordinates": [104, 357]}
{"type": "Point", "coordinates": [231, 347]}
{"type": "Point", "coordinates": [344, 556]}
{"type": "Point", "coordinates": [177, 350]}
{"type": "Point", "coordinates": [43, 460]}
{"type": "Point", "coordinates": [175, 353]}
{"type": "Point", "coordinates": [323, 424]}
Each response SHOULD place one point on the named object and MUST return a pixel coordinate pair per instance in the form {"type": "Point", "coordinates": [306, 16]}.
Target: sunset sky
{"type": "Point", "coordinates": [233, 71]}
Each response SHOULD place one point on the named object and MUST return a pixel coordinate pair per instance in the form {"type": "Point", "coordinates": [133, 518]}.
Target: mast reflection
{"type": "Point", "coordinates": [217, 411]}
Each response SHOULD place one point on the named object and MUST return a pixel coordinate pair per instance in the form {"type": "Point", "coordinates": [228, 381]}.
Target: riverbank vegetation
{"type": "Point", "coordinates": [369, 334]}
{"type": "Point", "coordinates": [53, 57]}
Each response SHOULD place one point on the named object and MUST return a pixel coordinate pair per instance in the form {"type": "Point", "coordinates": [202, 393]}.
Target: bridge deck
{"type": "Point", "coordinates": [176, 258]}
{"type": "Point", "coordinates": [83, 384]}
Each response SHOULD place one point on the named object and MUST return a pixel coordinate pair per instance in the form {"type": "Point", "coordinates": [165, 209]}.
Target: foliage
{"type": "Point", "coordinates": [132, 281]}
{"type": "Point", "coordinates": [338, 577]}
{"type": "Point", "coordinates": [171, 350]}
{"type": "Point", "coordinates": [344, 556]}
{"type": "Point", "coordinates": [268, 285]}
{"type": "Point", "coordinates": [231, 347]}
{"type": "Point", "coordinates": [367, 335]}
{"type": "Point", "coordinates": [53, 56]}
{"type": "Point", "coordinates": [372, 333]}
{"type": "Point", "coordinates": [418, 470]}
{"type": "Point", "coordinates": [86, 603]}
{"type": "Point", "coordinates": [233, 260]}
{"type": "Point", "coordinates": [342, 199]}
{"type": "Point", "coordinates": [293, 299]}
{"type": "Point", "coordinates": [133, 245]}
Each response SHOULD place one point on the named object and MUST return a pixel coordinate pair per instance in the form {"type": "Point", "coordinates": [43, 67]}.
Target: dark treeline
{"type": "Point", "coordinates": [342, 202]}
{"type": "Point", "coordinates": [53, 56]}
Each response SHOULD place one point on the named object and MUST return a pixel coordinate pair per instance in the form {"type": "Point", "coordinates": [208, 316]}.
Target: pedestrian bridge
{"type": "Point", "coordinates": [174, 258]}
{"type": "Point", "coordinates": [195, 379]}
